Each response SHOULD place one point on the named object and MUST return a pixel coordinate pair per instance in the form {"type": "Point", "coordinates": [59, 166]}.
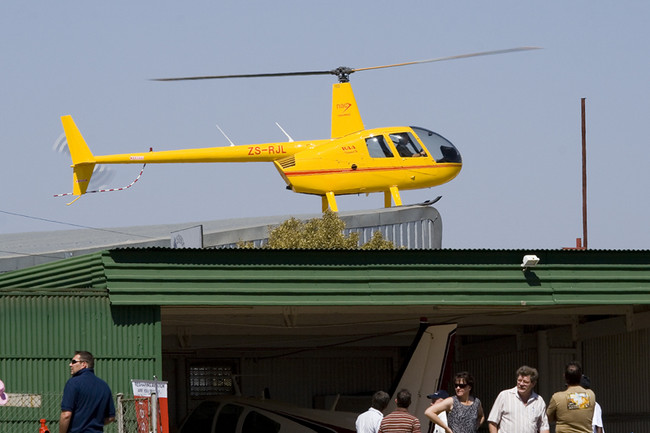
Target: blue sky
{"type": "Point", "coordinates": [515, 117]}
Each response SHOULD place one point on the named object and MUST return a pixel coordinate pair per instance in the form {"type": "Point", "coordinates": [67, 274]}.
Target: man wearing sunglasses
{"type": "Point", "coordinates": [87, 404]}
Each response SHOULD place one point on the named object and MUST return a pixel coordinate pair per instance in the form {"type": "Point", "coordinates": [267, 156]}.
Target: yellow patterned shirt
{"type": "Point", "coordinates": [572, 410]}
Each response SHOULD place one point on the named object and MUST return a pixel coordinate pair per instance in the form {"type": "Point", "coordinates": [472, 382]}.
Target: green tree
{"type": "Point", "coordinates": [377, 242]}
{"type": "Point", "coordinates": [325, 232]}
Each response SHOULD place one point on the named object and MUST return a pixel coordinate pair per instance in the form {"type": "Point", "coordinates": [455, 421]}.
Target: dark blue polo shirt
{"type": "Point", "coordinates": [90, 401]}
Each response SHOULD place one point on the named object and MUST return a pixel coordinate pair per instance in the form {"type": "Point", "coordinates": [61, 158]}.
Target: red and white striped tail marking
{"type": "Point", "coordinates": [107, 190]}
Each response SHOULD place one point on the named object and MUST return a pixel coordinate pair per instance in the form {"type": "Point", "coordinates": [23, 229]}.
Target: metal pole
{"type": "Point", "coordinates": [155, 421]}
{"type": "Point", "coordinates": [120, 413]}
{"type": "Point", "coordinates": [584, 174]}
{"type": "Point", "coordinates": [154, 412]}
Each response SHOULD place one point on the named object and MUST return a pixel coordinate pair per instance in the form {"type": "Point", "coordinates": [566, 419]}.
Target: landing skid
{"type": "Point", "coordinates": [428, 202]}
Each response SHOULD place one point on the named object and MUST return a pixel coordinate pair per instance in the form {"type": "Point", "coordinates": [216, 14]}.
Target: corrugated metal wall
{"type": "Point", "coordinates": [618, 368]}
{"type": "Point", "coordinates": [39, 333]}
{"type": "Point", "coordinates": [412, 227]}
{"type": "Point", "coordinates": [299, 379]}
{"type": "Point", "coordinates": [412, 234]}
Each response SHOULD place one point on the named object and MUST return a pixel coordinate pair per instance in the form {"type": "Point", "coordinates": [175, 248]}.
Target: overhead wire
{"type": "Point", "coordinates": [72, 224]}
{"type": "Point", "coordinates": [49, 220]}
{"type": "Point", "coordinates": [16, 253]}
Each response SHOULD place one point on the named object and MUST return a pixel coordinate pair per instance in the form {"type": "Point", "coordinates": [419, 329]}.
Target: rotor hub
{"type": "Point", "coordinates": [343, 73]}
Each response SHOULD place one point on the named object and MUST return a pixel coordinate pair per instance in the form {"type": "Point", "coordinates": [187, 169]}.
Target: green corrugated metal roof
{"type": "Point", "coordinates": [85, 271]}
{"type": "Point", "coordinates": [161, 276]}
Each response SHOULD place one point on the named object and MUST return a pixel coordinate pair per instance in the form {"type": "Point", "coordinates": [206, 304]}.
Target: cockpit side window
{"type": "Point", "coordinates": [228, 418]}
{"type": "Point", "coordinates": [407, 146]}
{"type": "Point", "coordinates": [201, 418]}
{"type": "Point", "coordinates": [441, 149]}
{"type": "Point", "coordinates": [377, 147]}
{"type": "Point", "coordinates": [255, 422]}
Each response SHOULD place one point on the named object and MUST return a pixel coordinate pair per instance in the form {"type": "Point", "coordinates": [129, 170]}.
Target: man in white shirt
{"type": "Point", "coordinates": [597, 420]}
{"type": "Point", "coordinates": [369, 421]}
{"type": "Point", "coordinates": [520, 409]}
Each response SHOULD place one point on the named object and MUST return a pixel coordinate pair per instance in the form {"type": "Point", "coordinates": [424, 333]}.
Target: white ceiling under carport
{"type": "Point", "coordinates": [364, 326]}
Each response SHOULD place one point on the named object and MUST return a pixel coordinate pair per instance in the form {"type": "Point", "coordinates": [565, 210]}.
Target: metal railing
{"type": "Point", "coordinates": [23, 412]}
{"type": "Point", "coordinates": [136, 414]}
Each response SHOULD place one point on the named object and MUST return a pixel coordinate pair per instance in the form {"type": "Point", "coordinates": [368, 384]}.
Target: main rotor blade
{"type": "Point", "coordinates": [343, 72]}
{"type": "Point", "coordinates": [460, 56]}
{"type": "Point", "coordinates": [275, 74]}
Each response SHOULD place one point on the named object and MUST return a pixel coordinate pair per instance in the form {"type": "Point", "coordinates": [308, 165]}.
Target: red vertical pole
{"type": "Point", "coordinates": [584, 174]}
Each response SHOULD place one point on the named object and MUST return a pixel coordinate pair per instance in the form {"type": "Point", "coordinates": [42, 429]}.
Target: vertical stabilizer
{"type": "Point", "coordinates": [83, 161]}
{"type": "Point", "coordinates": [345, 113]}
{"type": "Point", "coordinates": [424, 370]}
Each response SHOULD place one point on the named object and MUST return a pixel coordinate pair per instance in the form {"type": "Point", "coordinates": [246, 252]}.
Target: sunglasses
{"type": "Point", "coordinates": [460, 385]}
{"type": "Point", "coordinates": [74, 361]}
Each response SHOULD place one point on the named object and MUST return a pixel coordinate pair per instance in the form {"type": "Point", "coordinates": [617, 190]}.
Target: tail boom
{"type": "Point", "coordinates": [267, 152]}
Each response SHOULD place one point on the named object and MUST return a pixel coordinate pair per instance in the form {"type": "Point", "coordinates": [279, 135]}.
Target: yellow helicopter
{"type": "Point", "coordinates": [354, 160]}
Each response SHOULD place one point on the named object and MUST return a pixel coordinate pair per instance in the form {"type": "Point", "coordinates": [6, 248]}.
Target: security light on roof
{"type": "Point", "coordinates": [529, 261]}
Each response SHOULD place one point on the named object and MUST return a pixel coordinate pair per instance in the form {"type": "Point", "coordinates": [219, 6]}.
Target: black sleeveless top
{"type": "Point", "coordinates": [461, 418]}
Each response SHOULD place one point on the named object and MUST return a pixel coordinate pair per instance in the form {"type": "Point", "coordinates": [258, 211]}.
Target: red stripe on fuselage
{"type": "Point", "coordinates": [349, 170]}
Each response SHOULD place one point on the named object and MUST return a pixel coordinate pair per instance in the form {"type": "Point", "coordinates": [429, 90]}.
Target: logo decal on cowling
{"type": "Point", "coordinates": [343, 107]}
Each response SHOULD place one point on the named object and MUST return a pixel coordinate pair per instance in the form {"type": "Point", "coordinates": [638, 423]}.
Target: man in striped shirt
{"type": "Point", "coordinates": [400, 420]}
{"type": "Point", "coordinates": [520, 409]}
